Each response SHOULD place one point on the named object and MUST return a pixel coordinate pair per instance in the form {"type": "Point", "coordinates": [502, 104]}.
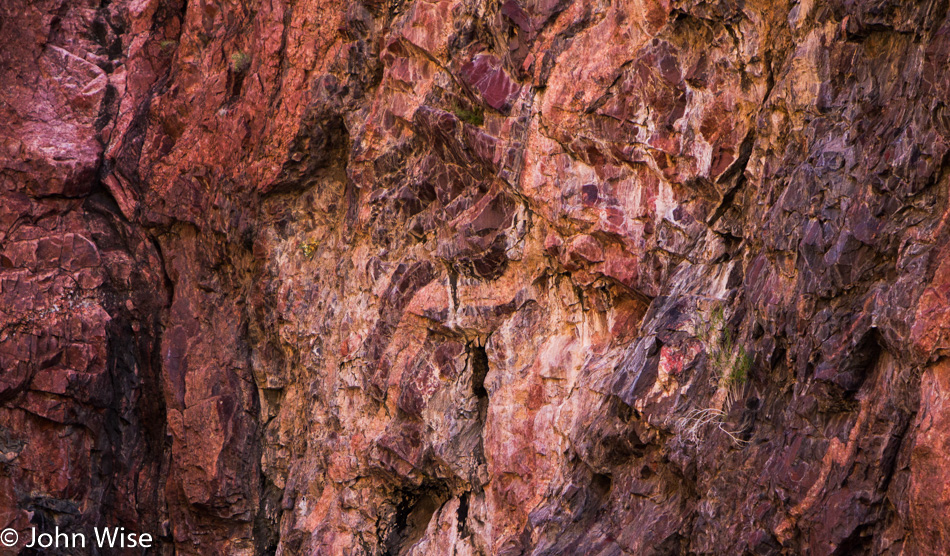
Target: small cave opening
{"type": "Point", "coordinates": [267, 521]}
{"type": "Point", "coordinates": [479, 360]}
{"type": "Point", "coordinates": [860, 541]}
{"type": "Point", "coordinates": [600, 485]}
{"type": "Point", "coordinates": [864, 361]}
{"type": "Point", "coordinates": [414, 510]}
{"type": "Point", "coordinates": [847, 377]}
{"type": "Point", "coordinates": [462, 514]}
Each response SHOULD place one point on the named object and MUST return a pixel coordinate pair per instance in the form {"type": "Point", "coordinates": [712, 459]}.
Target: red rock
{"type": "Point", "coordinates": [484, 74]}
{"type": "Point", "coordinates": [929, 495]}
{"type": "Point", "coordinates": [438, 277]}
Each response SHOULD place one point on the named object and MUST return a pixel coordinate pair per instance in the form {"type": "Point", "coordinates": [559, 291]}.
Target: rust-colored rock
{"type": "Point", "coordinates": [444, 277]}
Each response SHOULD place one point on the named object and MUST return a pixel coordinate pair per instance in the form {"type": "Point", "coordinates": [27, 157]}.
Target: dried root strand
{"type": "Point", "coordinates": [696, 420]}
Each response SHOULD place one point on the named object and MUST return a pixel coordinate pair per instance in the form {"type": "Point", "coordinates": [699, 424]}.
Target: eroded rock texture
{"type": "Point", "coordinates": [435, 276]}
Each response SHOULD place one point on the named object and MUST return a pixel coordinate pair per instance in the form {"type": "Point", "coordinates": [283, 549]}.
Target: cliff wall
{"type": "Point", "coordinates": [477, 277]}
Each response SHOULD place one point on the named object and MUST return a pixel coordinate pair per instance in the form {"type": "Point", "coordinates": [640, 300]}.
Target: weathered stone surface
{"type": "Point", "coordinates": [462, 277]}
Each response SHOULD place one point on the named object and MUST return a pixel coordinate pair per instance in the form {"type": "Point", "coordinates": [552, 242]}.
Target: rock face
{"type": "Point", "coordinates": [464, 277]}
